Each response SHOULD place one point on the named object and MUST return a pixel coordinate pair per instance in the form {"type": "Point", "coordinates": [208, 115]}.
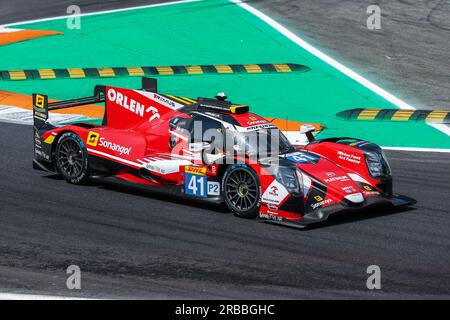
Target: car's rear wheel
{"type": "Point", "coordinates": [242, 191]}
{"type": "Point", "coordinates": [72, 159]}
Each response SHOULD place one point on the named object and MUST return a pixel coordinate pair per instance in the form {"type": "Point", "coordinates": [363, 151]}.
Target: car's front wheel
{"type": "Point", "coordinates": [72, 159]}
{"type": "Point", "coordinates": [242, 191]}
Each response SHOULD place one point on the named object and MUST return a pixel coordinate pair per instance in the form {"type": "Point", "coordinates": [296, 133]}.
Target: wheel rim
{"type": "Point", "coordinates": [241, 190]}
{"type": "Point", "coordinates": [70, 157]}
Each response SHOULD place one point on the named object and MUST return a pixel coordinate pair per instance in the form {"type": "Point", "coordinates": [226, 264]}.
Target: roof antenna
{"type": "Point", "coordinates": [221, 96]}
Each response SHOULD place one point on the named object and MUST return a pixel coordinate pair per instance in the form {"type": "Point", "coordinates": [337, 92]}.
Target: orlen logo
{"type": "Point", "coordinates": [132, 105]}
{"type": "Point", "coordinates": [273, 191]}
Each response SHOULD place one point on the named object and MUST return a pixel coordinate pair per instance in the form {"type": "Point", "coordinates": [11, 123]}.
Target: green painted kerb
{"type": "Point", "coordinates": [210, 33]}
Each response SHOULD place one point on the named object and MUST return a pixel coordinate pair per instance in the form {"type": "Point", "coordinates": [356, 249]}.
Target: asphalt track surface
{"type": "Point", "coordinates": [138, 245]}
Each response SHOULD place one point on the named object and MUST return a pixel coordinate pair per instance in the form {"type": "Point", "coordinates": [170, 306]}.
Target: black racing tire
{"type": "Point", "coordinates": [242, 191]}
{"type": "Point", "coordinates": [71, 158]}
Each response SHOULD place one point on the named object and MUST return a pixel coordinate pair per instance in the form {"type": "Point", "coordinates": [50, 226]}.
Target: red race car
{"type": "Point", "coordinates": [212, 150]}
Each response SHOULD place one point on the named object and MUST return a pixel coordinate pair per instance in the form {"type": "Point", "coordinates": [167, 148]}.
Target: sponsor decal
{"type": "Point", "coordinates": [255, 121]}
{"type": "Point", "coordinates": [369, 191]}
{"type": "Point", "coordinates": [92, 139]}
{"type": "Point", "coordinates": [165, 101]}
{"type": "Point", "coordinates": [114, 147]}
{"type": "Point", "coordinates": [195, 170]}
{"type": "Point", "coordinates": [132, 105]}
{"type": "Point", "coordinates": [338, 178]}
{"type": "Point", "coordinates": [40, 101]}
{"type": "Point", "coordinates": [95, 140]}
{"type": "Point", "coordinates": [270, 216]}
{"type": "Point", "coordinates": [321, 203]}
{"type": "Point", "coordinates": [349, 189]}
{"type": "Point", "coordinates": [273, 191]}
{"type": "Point", "coordinates": [257, 127]}
{"type": "Point", "coordinates": [213, 188]}
{"type": "Point", "coordinates": [318, 198]}
{"type": "Point", "coordinates": [349, 157]}
{"type": "Point", "coordinates": [302, 157]}
{"type": "Point", "coordinates": [195, 185]}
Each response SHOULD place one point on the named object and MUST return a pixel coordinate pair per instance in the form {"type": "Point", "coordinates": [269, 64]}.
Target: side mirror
{"type": "Point", "coordinates": [308, 130]}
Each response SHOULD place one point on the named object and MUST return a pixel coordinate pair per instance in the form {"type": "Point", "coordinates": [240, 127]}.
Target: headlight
{"type": "Point", "coordinates": [290, 178]}
{"type": "Point", "coordinates": [377, 164]}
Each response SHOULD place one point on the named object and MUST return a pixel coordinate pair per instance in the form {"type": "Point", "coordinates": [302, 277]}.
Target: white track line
{"type": "Point", "coordinates": [441, 127]}
{"type": "Point", "coordinates": [352, 74]}
{"type": "Point", "coordinates": [19, 296]}
{"type": "Point", "coordinates": [417, 149]}
{"type": "Point", "coordinates": [99, 12]}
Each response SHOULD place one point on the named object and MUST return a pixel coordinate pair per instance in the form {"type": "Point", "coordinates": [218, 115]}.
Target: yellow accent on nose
{"type": "Point", "coordinates": [50, 139]}
{"type": "Point", "coordinates": [236, 108]}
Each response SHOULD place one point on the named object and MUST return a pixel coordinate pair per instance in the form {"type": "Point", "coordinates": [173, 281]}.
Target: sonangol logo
{"type": "Point", "coordinates": [95, 140]}
{"type": "Point", "coordinates": [318, 198]}
{"type": "Point", "coordinates": [92, 139]}
{"type": "Point", "coordinates": [40, 101]}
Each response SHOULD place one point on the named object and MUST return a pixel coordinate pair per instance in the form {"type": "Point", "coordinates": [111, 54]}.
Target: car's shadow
{"type": "Point", "coordinates": [333, 220]}
{"type": "Point", "coordinates": [360, 215]}
{"type": "Point", "coordinates": [158, 195]}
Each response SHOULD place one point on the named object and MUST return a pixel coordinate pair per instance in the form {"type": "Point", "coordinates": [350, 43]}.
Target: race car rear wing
{"type": "Point", "coordinates": [41, 106]}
